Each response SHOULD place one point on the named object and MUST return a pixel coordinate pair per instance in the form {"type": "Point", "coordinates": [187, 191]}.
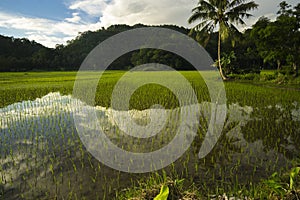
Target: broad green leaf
{"type": "Point", "coordinates": [293, 174]}
{"type": "Point", "coordinates": [164, 193]}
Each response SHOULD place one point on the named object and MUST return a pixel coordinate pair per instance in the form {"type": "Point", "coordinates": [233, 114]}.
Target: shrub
{"type": "Point", "coordinates": [248, 77]}
{"type": "Point", "coordinates": [286, 70]}
{"type": "Point", "coordinates": [267, 77]}
{"type": "Point", "coordinates": [281, 78]}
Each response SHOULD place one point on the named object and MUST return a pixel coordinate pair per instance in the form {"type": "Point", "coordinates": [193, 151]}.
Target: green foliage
{"type": "Point", "coordinates": [276, 185]}
{"type": "Point", "coordinates": [164, 193]}
{"type": "Point", "coordinates": [145, 56]}
{"type": "Point", "coordinates": [235, 165]}
{"type": "Point", "coordinates": [267, 77]}
{"type": "Point", "coordinates": [281, 79]}
{"type": "Point", "coordinates": [264, 46]}
{"type": "Point", "coordinates": [247, 58]}
{"type": "Point", "coordinates": [293, 175]}
{"type": "Point", "coordinates": [23, 55]}
{"type": "Point", "coordinates": [286, 70]}
{"type": "Point", "coordinates": [227, 62]}
{"type": "Point", "coordinates": [223, 15]}
{"type": "Point", "coordinates": [271, 37]}
{"type": "Point", "coordinates": [248, 77]}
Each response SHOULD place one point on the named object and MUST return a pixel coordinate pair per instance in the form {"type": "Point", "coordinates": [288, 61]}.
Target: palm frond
{"type": "Point", "coordinates": [241, 21]}
{"type": "Point", "coordinates": [244, 8]}
{"type": "Point", "coordinates": [235, 3]}
{"type": "Point", "coordinates": [203, 37]}
{"type": "Point", "coordinates": [201, 25]}
{"type": "Point", "coordinates": [198, 16]}
{"type": "Point", "coordinates": [233, 17]}
{"type": "Point", "coordinates": [206, 6]}
{"type": "Point", "coordinates": [222, 13]}
{"type": "Point", "coordinates": [205, 26]}
{"type": "Point", "coordinates": [234, 29]}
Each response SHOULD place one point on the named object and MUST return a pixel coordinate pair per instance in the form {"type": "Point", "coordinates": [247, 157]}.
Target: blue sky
{"type": "Point", "coordinates": [52, 22]}
{"type": "Point", "coordinates": [52, 9]}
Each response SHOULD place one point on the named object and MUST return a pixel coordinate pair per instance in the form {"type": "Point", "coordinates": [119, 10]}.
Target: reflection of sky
{"type": "Point", "coordinates": [53, 104]}
{"type": "Point", "coordinates": [62, 20]}
{"type": "Point", "coordinates": [39, 117]}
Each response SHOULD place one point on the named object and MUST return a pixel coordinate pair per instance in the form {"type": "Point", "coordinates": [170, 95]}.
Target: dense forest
{"type": "Point", "coordinates": [266, 45]}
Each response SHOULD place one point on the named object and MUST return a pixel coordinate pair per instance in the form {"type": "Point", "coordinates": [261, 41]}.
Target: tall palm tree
{"type": "Point", "coordinates": [221, 14]}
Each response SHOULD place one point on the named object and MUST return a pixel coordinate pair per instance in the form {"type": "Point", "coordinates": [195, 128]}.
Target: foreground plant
{"type": "Point", "coordinates": [278, 187]}
{"type": "Point", "coordinates": [159, 187]}
{"type": "Point", "coordinates": [164, 193]}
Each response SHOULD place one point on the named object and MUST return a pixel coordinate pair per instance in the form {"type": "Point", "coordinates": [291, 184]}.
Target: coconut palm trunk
{"type": "Point", "coordinates": [219, 58]}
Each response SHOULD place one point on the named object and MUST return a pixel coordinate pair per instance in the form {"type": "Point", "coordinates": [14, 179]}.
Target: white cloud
{"type": "Point", "coordinates": [147, 12]}
{"type": "Point", "coordinates": [47, 40]}
{"type": "Point", "coordinates": [50, 32]}
{"type": "Point", "coordinates": [23, 23]}
{"type": "Point", "coordinates": [109, 12]}
{"type": "Point", "coordinates": [91, 7]}
{"type": "Point", "coordinates": [45, 31]}
{"type": "Point", "coordinates": [75, 19]}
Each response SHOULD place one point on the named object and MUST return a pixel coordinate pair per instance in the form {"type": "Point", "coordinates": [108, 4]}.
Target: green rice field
{"type": "Point", "coordinates": [43, 157]}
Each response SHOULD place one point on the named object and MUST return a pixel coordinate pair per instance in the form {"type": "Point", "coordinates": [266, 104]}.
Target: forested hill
{"type": "Point", "coordinates": [24, 55]}
{"type": "Point", "coordinates": [21, 54]}
{"type": "Point", "coordinates": [72, 55]}
{"type": "Point", "coordinates": [267, 44]}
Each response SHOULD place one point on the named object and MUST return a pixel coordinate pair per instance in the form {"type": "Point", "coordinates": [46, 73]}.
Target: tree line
{"type": "Point", "coordinates": [266, 45]}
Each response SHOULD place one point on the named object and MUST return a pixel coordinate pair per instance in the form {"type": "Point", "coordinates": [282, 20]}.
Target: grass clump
{"type": "Point", "coordinates": [155, 187]}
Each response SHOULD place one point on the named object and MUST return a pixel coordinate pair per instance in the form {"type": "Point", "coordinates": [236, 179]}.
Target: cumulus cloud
{"type": "Point", "coordinates": [147, 12]}
{"type": "Point", "coordinates": [23, 23]}
{"type": "Point", "coordinates": [136, 11]}
{"type": "Point", "coordinates": [50, 32]}
{"type": "Point", "coordinates": [75, 19]}
{"type": "Point", "coordinates": [90, 7]}
{"type": "Point", "coordinates": [47, 40]}
{"type": "Point", "coordinates": [94, 14]}
{"type": "Point", "coordinates": [45, 31]}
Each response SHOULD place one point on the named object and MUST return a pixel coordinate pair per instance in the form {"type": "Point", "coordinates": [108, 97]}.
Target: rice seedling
{"type": "Point", "coordinates": [42, 156]}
